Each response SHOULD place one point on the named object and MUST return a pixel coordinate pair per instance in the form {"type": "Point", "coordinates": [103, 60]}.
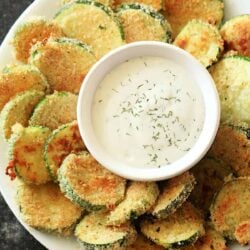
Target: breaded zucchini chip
{"type": "Point", "coordinates": [209, 174]}
{"type": "Point", "coordinates": [45, 208]}
{"type": "Point", "coordinates": [18, 110]}
{"type": "Point", "coordinates": [55, 110]}
{"type": "Point", "coordinates": [174, 193]}
{"type": "Point", "coordinates": [155, 4]}
{"type": "Point", "coordinates": [105, 2]}
{"type": "Point", "coordinates": [139, 198]}
{"type": "Point", "coordinates": [93, 23]}
{"type": "Point", "coordinates": [61, 142]}
{"type": "Point", "coordinates": [211, 240]}
{"type": "Point", "coordinates": [231, 206]}
{"type": "Point", "coordinates": [232, 79]}
{"type": "Point", "coordinates": [140, 23]}
{"type": "Point", "coordinates": [232, 145]}
{"type": "Point", "coordinates": [180, 12]}
{"type": "Point", "coordinates": [64, 62]}
{"type": "Point", "coordinates": [93, 233]}
{"type": "Point", "coordinates": [242, 233]}
{"type": "Point", "coordinates": [142, 243]}
{"type": "Point", "coordinates": [37, 29]}
{"type": "Point", "coordinates": [180, 229]}
{"type": "Point", "coordinates": [26, 152]}
{"type": "Point", "coordinates": [86, 183]}
{"type": "Point", "coordinates": [202, 40]}
{"type": "Point", "coordinates": [18, 78]}
{"type": "Point", "coordinates": [236, 34]}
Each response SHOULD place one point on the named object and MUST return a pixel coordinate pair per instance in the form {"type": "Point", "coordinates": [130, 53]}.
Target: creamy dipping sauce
{"type": "Point", "coordinates": [147, 112]}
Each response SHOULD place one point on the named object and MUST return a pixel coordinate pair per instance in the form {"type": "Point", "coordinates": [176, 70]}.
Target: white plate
{"type": "Point", "coordinates": [48, 8]}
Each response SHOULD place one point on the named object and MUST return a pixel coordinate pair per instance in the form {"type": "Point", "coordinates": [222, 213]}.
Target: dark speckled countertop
{"type": "Point", "coordinates": [12, 235]}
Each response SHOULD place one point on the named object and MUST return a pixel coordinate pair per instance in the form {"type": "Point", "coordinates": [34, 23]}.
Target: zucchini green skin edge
{"type": "Point", "coordinates": [69, 193]}
{"type": "Point", "coordinates": [152, 13]}
{"type": "Point", "coordinates": [120, 244]}
{"type": "Point", "coordinates": [175, 203]}
{"type": "Point", "coordinates": [104, 8]}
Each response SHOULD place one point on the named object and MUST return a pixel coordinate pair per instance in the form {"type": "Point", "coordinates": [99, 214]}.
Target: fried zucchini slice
{"type": "Point", "coordinates": [44, 207]}
{"type": "Point", "coordinates": [231, 206]}
{"type": "Point", "coordinates": [242, 232]}
{"type": "Point", "coordinates": [104, 2]}
{"type": "Point", "coordinates": [232, 145]}
{"type": "Point", "coordinates": [18, 110]}
{"type": "Point", "coordinates": [180, 12]}
{"type": "Point", "coordinates": [142, 243]}
{"type": "Point", "coordinates": [211, 240]}
{"type": "Point", "coordinates": [86, 183]}
{"type": "Point", "coordinates": [142, 23]}
{"type": "Point", "coordinates": [236, 34]}
{"type": "Point", "coordinates": [103, 34]}
{"type": "Point", "coordinates": [209, 174]}
{"type": "Point", "coordinates": [37, 29]}
{"type": "Point", "coordinates": [202, 40]}
{"type": "Point", "coordinates": [19, 78]}
{"type": "Point", "coordinates": [139, 198]}
{"type": "Point", "coordinates": [174, 193]}
{"type": "Point", "coordinates": [155, 4]}
{"type": "Point", "coordinates": [232, 79]}
{"type": "Point", "coordinates": [180, 229]}
{"type": "Point", "coordinates": [93, 233]}
{"type": "Point", "coordinates": [55, 110]}
{"type": "Point", "coordinates": [61, 142]}
{"type": "Point", "coordinates": [26, 151]}
{"type": "Point", "coordinates": [64, 62]}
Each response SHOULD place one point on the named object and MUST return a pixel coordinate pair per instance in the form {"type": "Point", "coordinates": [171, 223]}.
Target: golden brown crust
{"type": "Point", "coordinates": [233, 147]}
{"type": "Point", "coordinates": [242, 232]}
{"type": "Point", "coordinates": [179, 12]}
{"type": "Point", "coordinates": [45, 207]}
{"type": "Point", "coordinates": [156, 4]}
{"type": "Point", "coordinates": [236, 34]}
{"type": "Point", "coordinates": [31, 32]}
{"type": "Point", "coordinates": [19, 78]}
{"type": "Point", "coordinates": [63, 62]}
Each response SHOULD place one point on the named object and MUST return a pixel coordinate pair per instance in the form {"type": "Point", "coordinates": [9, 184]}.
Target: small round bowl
{"type": "Point", "coordinates": [198, 74]}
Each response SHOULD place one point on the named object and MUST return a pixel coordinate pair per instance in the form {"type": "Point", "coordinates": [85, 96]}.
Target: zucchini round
{"type": "Point", "coordinates": [45, 208]}
{"type": "Point", "coordinates": [37, 29]}
{"type": "Point", "coordinates": [139, 198]}
{"type": "Point", "coordinates": [61, 142]}
{"type": "Point", "coordinates": [180, 229]}
{"type": "Point", "coordinates": [18, 110]}
{"type": "Point", "coordinates": [19, 78]}
{"type": "Point", "coordinates": [104, 2]}
{"type": "Point", "coordinates": [142, 243]}
{"type": "Point", "coordinates": [236, 34]}
{"type": "Point", "coordinates": [209, 174]}
{"type": "Point", "coordinates": [55, 110]}
{"type": "Point", "coordinates": [232, 79]}
{"type": "Point", "coordinates": [174, 193]}
{"type": "Point", "coordinates": [86, 183]}
{"type": "Point", "coordinates": [231, 206]}
{"type": "Point", "coordinates": [64, 62]}
{"type": "Point", "coordinates": [103, 34]}
{"type": "Point", "coordinates": [140, 23]}
{"type": "Point", "coordinates": [26, 151]}
{"type": "Point", "coordinates": [202, 40]}
{"type": "Point", "coordinates": [180, 12]}
{"type": "Point", "coordinates": [232, 145]}
{"type": "Point", "coordinates": [155, 4]}
{"type": "Point", "coordinates": [211, 240]}
{"type": "Point", "coordinates": [93, 233]}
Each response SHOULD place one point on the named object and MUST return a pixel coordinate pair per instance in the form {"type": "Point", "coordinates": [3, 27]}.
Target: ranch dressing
{"type": "Point", "coordinates": [147, 112]}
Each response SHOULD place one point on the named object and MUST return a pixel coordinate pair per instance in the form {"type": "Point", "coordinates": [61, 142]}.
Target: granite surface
{"type": "Point", "coordinates": [12, 235]}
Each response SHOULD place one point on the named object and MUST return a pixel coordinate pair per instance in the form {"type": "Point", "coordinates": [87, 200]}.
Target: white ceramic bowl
{"type": "Point", "coordinates": [198, 74]}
